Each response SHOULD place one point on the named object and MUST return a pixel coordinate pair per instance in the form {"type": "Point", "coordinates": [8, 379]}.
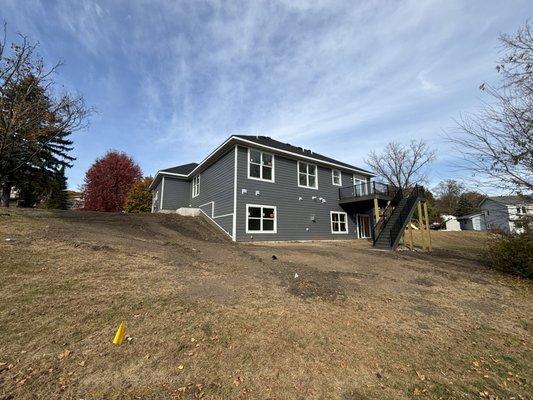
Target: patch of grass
{"type": "Point", "coordinates": [226, 321]}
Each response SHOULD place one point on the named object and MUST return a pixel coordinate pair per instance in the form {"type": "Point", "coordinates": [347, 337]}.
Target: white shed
{"type": "Point", "coordinates": [451, 223]}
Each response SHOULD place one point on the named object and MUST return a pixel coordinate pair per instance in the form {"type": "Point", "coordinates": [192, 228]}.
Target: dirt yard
{"type": "Point", "coordinates": [207, 318]}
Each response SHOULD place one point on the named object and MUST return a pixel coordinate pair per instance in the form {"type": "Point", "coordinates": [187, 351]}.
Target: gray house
{"type": "Point", "coordinates": [257, 188]}
{"type": "Point", "coordinates": [502, 212]}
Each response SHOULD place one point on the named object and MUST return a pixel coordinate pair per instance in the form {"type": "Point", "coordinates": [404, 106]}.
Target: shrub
{"type": "Point", "coordinates": [512, 253]}
{"type": "Point", "coordinates": [139, 198]}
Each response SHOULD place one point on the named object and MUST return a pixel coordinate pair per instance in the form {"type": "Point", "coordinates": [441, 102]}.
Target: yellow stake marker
{"type": "Point", "coordinates": [119, 336]}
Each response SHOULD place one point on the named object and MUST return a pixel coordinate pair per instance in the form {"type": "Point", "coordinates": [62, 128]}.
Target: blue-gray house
{"type": "Point", "coordinates": [257, 188]}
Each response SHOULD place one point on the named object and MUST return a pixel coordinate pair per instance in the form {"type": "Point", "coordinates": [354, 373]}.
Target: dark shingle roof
{"type": "Point", "coordinates": [511, 200]}
{"type": "Point", "coordinates": [267, 141]}
{"type": "Point", "coordinates": [184, 169]}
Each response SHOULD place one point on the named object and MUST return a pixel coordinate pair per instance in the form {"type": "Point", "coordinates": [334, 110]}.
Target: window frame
{"type": "Point", "coordinates": [347, 231]}
{"type": "Point", "coordinates": [307, 175]}
{"type": "Point", "coordinates": [261, 165]}
{"type": "Point", "coordinates": [196, 186]}
{"type": "Point", "coordinates": [262, 206]}
{"type": "Point", "coordinates": [333, 177]}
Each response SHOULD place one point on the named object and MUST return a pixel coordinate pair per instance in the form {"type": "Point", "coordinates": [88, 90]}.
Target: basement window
{"type": "Point", "coordinates": [260, 219]}
{"type": "Point", "coordinates": [339, 222]}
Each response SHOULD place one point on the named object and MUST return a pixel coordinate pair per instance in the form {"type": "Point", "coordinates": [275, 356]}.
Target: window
{"type": "Point", "coordinates": [260, 165]}
{"type": "Point", "coordinates": [260, 219]}
{"type": "Point", "coordinates": [196, 186]}
{"type": "Point", "coordinates": [307, 175]}
{"type": "Point", "coordinates": [336, 178]}
{"type": "Point", "coordinates": [338, 222]}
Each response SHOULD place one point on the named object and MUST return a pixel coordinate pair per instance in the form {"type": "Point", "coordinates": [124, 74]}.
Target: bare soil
{"type": "Point", "coordinates": [208, 318]}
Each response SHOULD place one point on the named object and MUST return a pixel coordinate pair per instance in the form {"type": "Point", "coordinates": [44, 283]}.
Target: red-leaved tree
{"type": "Point", "coordinates": [109, 180]}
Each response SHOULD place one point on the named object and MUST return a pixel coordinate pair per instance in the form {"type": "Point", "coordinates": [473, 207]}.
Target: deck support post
{"type": "Point", "coordinates": [427, 224]}
{"type": "Point", "coordinates": [410, 236]}
{"type": "Point", "coordinates": [376, 210]}
{"type": "Point", "coordinates": [421, 225]}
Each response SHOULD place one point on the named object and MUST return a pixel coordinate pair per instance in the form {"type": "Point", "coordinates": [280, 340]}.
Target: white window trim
{"type": "Point", "coordinates": [331, 222]}
{"type": "Point", "coordinates": [262, 206]}
{"type": "Point", "coordinates": [298, 175]}
{"type": "Point", "coordinates": [196, 186]}
{"type": "Point", "coordinates": [261, 166]}
{"type": "Point", "coordinates": [333, 177]}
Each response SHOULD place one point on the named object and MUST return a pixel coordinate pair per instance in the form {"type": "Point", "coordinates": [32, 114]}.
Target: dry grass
{"type": "Point", "coordinates": [212, 319]}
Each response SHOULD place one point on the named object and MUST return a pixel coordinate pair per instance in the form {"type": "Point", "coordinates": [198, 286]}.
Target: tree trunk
{"type": "Point", "coordinates": [5, 194]}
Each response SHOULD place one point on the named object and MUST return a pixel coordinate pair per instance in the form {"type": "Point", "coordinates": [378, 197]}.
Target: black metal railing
{"type": "Point", "coordinates": [387, 213]}
{"type": "Point", "coordinates": [415, 194]}
{"type": "Point", "coordinates": [366, 189]}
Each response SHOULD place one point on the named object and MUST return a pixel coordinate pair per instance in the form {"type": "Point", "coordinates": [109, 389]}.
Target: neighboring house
{"type": "Point", "coordinates": [74, 200]}
{"type": "Point", "coordinates": [257, 188]}
{"type": "Point", "coordinates": [472, 222]}
{"type": "Point", "coordinates": [502, 212]}
{"type": "Point", "coordinates": [450, 222]}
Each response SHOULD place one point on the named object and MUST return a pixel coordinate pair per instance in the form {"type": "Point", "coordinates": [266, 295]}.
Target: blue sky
{"type": "Point", "coordinates": [172, 79]}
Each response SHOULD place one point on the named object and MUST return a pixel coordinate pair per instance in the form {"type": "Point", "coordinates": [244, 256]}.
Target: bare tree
{"type": "Point", "coordinates": [496, 144]}
{"type": "Point", "coordinates": [34, 120]}
{"type": "Point", "coordinates": [402, 165]}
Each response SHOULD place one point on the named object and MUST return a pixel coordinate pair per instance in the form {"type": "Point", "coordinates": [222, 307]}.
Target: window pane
{"type": "Point", "coordinates": [311, 169]}
{"type": "Point", "coordinates": [254, 224]}
{"type": "Point", "coordinates": [268, 224]}
{"type": "Point", "coordinates": [342, 227]}
{"type": "Point", "coordinates": [255, 171]}
{"type": "Point", "coordinates": [342, 217]}
{"type": "Point", "coordinates": [312, 181]}
{"type": "Point", "coordinates": [268, 212]}
{"type": "Point", "coordinates": [254, 212]}
{"type": "Point", "coordinates": [335, 226]}
{"type": "Point", "coordinates": [302, 167]}
{"type": "Point", "coordinates": [267, 159]}
{"type": "Point", "coordinates": [336, 180]}
{"type": "Point", "coordinates": [267, 173]}
{"type": "Point", "coordinates": [334, 217]}
{"type": "Point", "coordinates": [255, 156]}
{"type": "Point", "coordinates": [303, 180]}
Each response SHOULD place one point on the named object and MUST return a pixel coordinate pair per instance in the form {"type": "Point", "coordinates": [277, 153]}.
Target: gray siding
{"type": "Point", "coordinates": [176, 193]}
{"type": "Point", "coordinates": [496, 215]}
{"type": "Point", "coordinates": [216, 191]}
{"type": "Point", "coordinates": [294, 216]}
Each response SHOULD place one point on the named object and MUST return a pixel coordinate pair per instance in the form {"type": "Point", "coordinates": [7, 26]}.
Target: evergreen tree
{"type": "Point", "coordinates": [34, 123]}
{"type": "Point", "coordinates": [58, 198]}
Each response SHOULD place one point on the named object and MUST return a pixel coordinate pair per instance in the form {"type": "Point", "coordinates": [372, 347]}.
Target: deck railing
{"type": "Point", "coordinates": [366, 189]}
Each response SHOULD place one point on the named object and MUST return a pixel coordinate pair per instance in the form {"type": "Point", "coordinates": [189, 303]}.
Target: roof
{"type": "Point", "coordinates": [188, 170]}
{"type": "Point", "coordinates": [184, 169]}
{"type": "Point", "coordinates": [510, 200]}
{"type": "Point", "coordinates": [267, 141]}
{"type": "Point", "coordinates": [470, 215]}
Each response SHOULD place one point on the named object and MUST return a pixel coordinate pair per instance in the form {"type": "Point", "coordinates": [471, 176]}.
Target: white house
{"type": "Point", "coordinates": [502, 212]}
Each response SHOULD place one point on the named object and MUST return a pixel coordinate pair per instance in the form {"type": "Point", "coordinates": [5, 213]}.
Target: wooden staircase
{"type": "Point", "coordinates": [391, 226]}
